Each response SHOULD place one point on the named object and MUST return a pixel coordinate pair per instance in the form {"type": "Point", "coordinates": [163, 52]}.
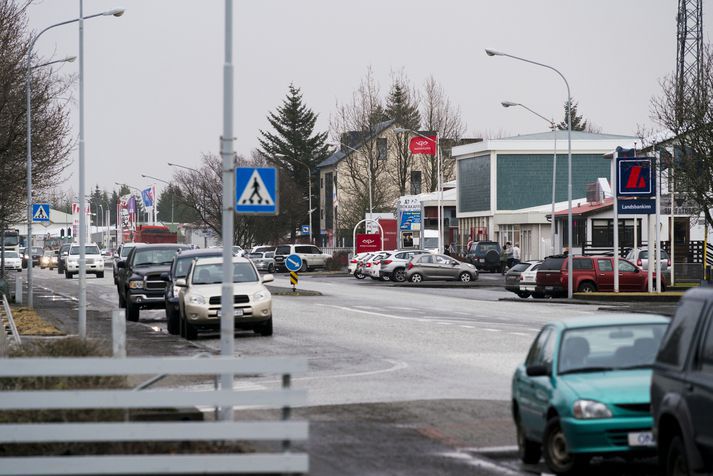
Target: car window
{"type": "Point", "coordinates": [213, 273]}
{"type": "Point", "coordinates": [482, 248]}
{"type": "Point", "coordinates": [520, 267]}
{"type": "Point", "coordinates": [583, 263]}
{"type": "Point", "coordinates": [125, 251]}
{"type": "Point", "coordinates": [552, 264]}
{"type": "Point", "coordinates": [182, 266]}
{"type": "Point", "coordinates": [677, 340]}
{"type": "Point", "coordinates": [536, 354]}
{"type": "Point", "coordinates": [89, 250]}
{"type": "Point", "coordinates": [282, 250]}
{"type": "Point", "coordinates": [626, 266]}
{"type": "Point", "coordinates": [605, 265]}
{"type": "Point", "coordinates": [154, 257]}
{"type": "Point", "coordinates": [303, 249]}
{"type": "Point", "coordinates": [401, 255]}
{"type": "Point", "coordinates": [316, 250]}
{"type": "Point", "coordinates": [536, 267]}
{"type": "Point", "coordinates": [706, 352]}
{"type": "Point", "coordinates": [270, 254]}
{"type": "Point", "coordinates": [425, 259]}
{"type": "Point", "coordinates": [644, 254]}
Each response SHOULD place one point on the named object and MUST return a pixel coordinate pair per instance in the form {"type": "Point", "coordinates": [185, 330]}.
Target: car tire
{"type": "Point", "coordinates": [271, 268]}
{"type": "Point", "coordinates": [191, 333]}
{"type": "Point", "coordinates": [399, 275]}
{"type": "Point", "coordinates": [172, 322]}
{"type": "Point", "coordinates": [529, 451]}
{"type": "Point", "coordinates": [676, 463]}
{"type": "Point", "coordinates": [359, 275]}
{"type": "Point", "coordinates": [559, 460]}
{"type": "Point", "coordinates": [100, 274]}
{"type": "Point", "coordinates": [587, 287]}
{"type": "Point", "coordinates": [465, 277]}
{"type": "Point", "coordinates": [132, 312]}
{"type": "Point", "coordinates": [416, 278]}
{"type": "Point", "coordinates": [304, 268]}
{"type": "Point", "coordinates": [122, 301]}
{"type": "Point", "coordinates": [265, 329]}
{"type": "Point", "coordinates": [523, 294]}
{"type": "Point", "coordinates": [67, 275]}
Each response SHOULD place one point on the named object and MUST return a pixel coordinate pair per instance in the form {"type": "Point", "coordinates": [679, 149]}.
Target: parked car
{"type": "Point", "coordinates": [93, 261]}
{"type": "Point", "coordinates": [180, 265]}
{"type": "Point", "coordinates": [528, 280]}
{"type": "Point", "coordinates": [682, 388]}
{"type": "Point", "coordinates": [641, 258]}
{"type": "Point", "coordinates": [513, 278]}
{"type": "Point", "coordinates": [394, 265]}
{"type": "Point", "coordinates": [200, 297]}
{"type": "Point", "coordinates": [13, 260]}
{"type": "Point", "coordinates": [24, 256]}
{"type": "Point", "coordinates": [62, 258]}
{"type": "Point", "coordinates": [262, 249]}
{"type": "Point", "coordinates": [238, 251]}
{"type": "Point", "coordinates": [353, 264]}
{"type": "Point", "coordinates": [583, 391]}
{"type": "Point", "coordinates": [140, 281]}
{"type": "Point", "coordinates": [439, 267]}
{"type": "Point", "coordinates": [312, 257]}
{"type": "Point", "coordinates": [373, 264]}
{"type": "Point", "coordinates": [121, 253]}
{"type": "Point", "coordinates": [485, 255]}
{"type": "Point", "coordinates": [48, 260]}
{"type": "Point", "coordinates": [591, 273]}
{"type": "Point", "coordinates": [263, 260]}
{"type": "Point", "coordinates": [361, 264]}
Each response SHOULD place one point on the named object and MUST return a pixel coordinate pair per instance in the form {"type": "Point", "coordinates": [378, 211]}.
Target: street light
{"type": "Point", "coordinates": [551, 122]}
{"type": "Point", "coordinates": [169, 186]}
{"type": "Point", "coordinates": [440, 181]}
{"type": "Point", "coordinates": [68, 59]}
{"type": "Point", "coordinates": [569, 159]}
{"type": "Point", "coordinates": [28, 89]}
{"type": "Point", "coordinates": [183, 167]}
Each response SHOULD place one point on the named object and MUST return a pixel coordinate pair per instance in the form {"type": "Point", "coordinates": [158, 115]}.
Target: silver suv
{"type": "Point", "coordinates": [394, 265]}
{"type": "Point", "coordinates": [312, 257]}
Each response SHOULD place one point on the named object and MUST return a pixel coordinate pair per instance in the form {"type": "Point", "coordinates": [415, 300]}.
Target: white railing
{"type": "Point", "coordinates": [208, 430]}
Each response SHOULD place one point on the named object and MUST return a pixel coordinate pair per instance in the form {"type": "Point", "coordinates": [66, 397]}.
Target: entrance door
{"type": "Point", "coordinates": [681, 238]}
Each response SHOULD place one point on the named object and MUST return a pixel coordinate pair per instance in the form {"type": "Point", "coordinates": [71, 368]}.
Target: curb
{"type": "Point", "coordinates": [451, 285]}
{"type": "Point", "coordinates": [282, 291]}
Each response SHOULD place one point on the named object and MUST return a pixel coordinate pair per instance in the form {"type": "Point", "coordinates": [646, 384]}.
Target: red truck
{"type": "Point", "coordinates": [591, 273]}
{"type": "Point", "coordinates": [154, 234]}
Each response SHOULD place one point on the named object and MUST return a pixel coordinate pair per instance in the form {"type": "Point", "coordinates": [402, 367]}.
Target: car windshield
{"type": "Point", "coordinates": [213, 273]}
{"type": "Point", "coordinates": [11, 240]}
{"type": "Point", "coordinates": [11, 254]}
{"type": "Point", "coordinates": [485, 247]}
{"type": "Point", "coordinates": [282, 250]}
{"type": "Point", "coordinates": [596, 349]}
{"type": "Point", "coordinates": [519, 268]}
{"type": "Point", "coordinates": [125, 251]}
{"type": "Point", "coordinates": [155, 257]}
{"type": "Point", "coordinates": [88, 250]}
{"type": "Point", "coordinates": [643, 254]}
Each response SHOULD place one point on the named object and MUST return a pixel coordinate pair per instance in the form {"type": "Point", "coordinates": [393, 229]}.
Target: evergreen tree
{"type": "Point", "coordinates": [578, 122]}
{"type": "Point", "coordinates": [402, 106]}
{"type": "Point", "coordinates": [294, 146]}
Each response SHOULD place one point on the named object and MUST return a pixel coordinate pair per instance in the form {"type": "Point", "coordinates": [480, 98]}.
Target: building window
{"type": "Point", "coordinates": [381, 148]}
{"type": "Point", "coordinates": [603, 233]}
{"type": "Point", "coordinates": [321, 182]}
{"type": "Point", "coordinates": [415, 182]}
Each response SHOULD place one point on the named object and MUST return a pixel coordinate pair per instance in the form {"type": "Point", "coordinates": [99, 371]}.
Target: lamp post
{"type": "Point", "coordinates": [169, 186]}
{"type": "Point", "coordinates": [182, 167]}
{"type": "Point", "coordinates": [28, 89]}
{"type": "Point", "coordinates": [569, 158]}
{"type": "Point", "coordinates": [552, 124]}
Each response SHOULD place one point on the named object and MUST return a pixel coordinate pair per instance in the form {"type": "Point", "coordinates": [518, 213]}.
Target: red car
{"type": "Point", "coordinates": [591, 273]}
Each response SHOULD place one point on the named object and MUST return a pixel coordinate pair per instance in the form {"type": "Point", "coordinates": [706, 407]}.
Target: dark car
{"type": "Point", "coordinates": [121, 253]}
{"type": "Point", "coordinates": [141, 277]}
{"type": "Point", "coordinates": [512, 278]}
{"type": "Point", "coordinates": [485, 255]}
{"type": "Point", "coordinates": [682, 388]}
{"type": "Point", "coordinates": [179, 270]}
{"type": "Point", "coordinates": [37, 252]}
{"type": "Point", "coordinates": [61, 259]}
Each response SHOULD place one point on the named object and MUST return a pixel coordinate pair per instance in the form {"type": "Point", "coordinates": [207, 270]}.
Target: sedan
{"type": "Point", "coordinates": [439, 267]}
{"type": "Point", "coordinates": [583, 391]}
{"type": "Point", "coordinates": [514, 278]}
{"type": "Point", "coordinates": [12, 260]}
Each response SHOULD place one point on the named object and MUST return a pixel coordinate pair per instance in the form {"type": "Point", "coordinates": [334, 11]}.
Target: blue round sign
{"type": "Point", "coordinates": [293, 262]}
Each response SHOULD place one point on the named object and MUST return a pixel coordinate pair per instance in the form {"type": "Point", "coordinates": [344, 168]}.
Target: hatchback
{"type": "Point", "coordinates": [583, 390]}
{"type": "Point", "coordinates": [513, 278]}
{"type": "Point", "coordinates": [439, 267]}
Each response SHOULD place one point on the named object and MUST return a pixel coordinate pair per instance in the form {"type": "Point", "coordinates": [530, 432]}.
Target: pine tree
{"type": "Point", "coordinates": [578, 123]}
{"type": "Point", "coordinates": [403, 108]}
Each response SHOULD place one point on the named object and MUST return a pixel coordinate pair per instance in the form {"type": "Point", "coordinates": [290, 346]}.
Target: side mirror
{"type": "Point", "coordinates": [121, 264]}
{"type": "Point", "coordinates": [537, 371]}
{"type": "Point", "coordinates": [268, 278]}
{"type": "Point", "coordinates": [180, 282]}
{"type": "Point", "coordinates": [164, 276]}
{"type": "Point", "coordinates": [637, 270]}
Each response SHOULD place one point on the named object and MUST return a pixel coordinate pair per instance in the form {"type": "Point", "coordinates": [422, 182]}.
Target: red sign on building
{"type": "Point", "coordinates": [423, 145]}
{"type": "Point", "coordinates": [391, 239]}
{"type": "Point", "coordinates": [368, 242]}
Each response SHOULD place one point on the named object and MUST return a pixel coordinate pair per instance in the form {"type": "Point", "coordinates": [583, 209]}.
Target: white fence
{"type": "Point", "coordinates": [208, 430]}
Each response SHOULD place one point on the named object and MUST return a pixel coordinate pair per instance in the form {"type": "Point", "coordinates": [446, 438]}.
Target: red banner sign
{"type": "Point", "coordinates": [366, 242]}
{"type": "Point", "coordinates": [421, 145]}
{"type": "Point", "coordinates": [390, 238]}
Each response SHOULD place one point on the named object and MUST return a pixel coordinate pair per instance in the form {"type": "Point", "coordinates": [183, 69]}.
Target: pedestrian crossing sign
{"type": "Point", "coordinates": [256, 191]}
{"type": "Point", "coordinates": [41, 212]}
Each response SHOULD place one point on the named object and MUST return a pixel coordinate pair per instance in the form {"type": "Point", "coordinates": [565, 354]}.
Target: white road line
{"type": "Point", "coordinates": [467, 327]}
{"type": "Point", "coordinates": [404, 308]}
{"type": "Point", "coordinates": [461, 313]}
{"type": "Point", "coordinates": [519, 334]}
{"type": "Point", "coordinates": [482, 463]}
{"type": "Point", "coordinates": [440, 323]}
{"type": "Point", "coordinates": [490, 449]}
{"type": "Point", "coordinates": [488, 329]}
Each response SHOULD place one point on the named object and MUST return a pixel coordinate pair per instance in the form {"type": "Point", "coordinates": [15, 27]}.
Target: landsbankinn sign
{"type": "Point", "coordinates": [635, 177]}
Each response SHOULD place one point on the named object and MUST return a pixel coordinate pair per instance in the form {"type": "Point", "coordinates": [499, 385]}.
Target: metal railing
{"type": "Point", "coordinates": [8, 323]}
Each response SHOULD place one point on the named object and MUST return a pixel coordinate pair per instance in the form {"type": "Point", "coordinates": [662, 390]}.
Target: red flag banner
{"type": "Point", "coordinates": [421, 145]}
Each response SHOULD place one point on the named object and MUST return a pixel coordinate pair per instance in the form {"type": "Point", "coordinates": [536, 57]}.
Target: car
{"type": "Point", "coordinates": [682, 388]}
{"type": "Point", "coordinates": [485, 255]}
{"type": "Point", "coordinates": [439, 267]}
{"type": "Point", "coordinates": [179, 269]}
{"type": "Point", "coordinates": [48, 260]}
{"type": "Point", "coordinates": [25, 257]}
{"type": "Point", "coordinates": [238, 251]}
{"type": "Point", "coordinates": [312, 257]}
{"type": "Point", "coordinates": [353, 263]}
{"type": "Point", "coordinates": [37, 253]}
{"type": "Point", "coordinates": [513, 278]}
{"type": "Point", "coordinates": [200, 297]}
{"type": "Point", "coordinates": [263, 260]}
{"type": "Point", "coordinates": [12, 260]}
{"type": "Point", "coordinates": [62, 257]}
{"type": "Point", "coordinates": [641, 258]}
{"type": "Point", "coordinates": [120, 255]}
{"type": "Point", "coordinates": [373, 264]}
{"type": "Point", "coordinates": [359, 272]}
{"type": "Point", "coordinates": [583, 391]}
{"type": "Point", "coordinates": [528, 280]}
{"type": "Point", "coordinates": [394, 264]}
{"type": "Point", "coordinates": [141, 282]}
{"type": "Point", "coordinates": [262, 248]}
{"type": "Point", "coordinates": [93, 261]}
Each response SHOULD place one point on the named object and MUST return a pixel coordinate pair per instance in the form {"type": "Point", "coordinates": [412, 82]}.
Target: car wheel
{"type": "Point", "coordinates": [265, 329]}
{"type": "Point", "coordinates": [587, 287]}
{"type": "Point", "coordinates": [304, 267]}
{"type": "Point", "coordinates": [465, 277]}
{"type": "Point", "coordinates": [191, 333]}
{"type": "Point", "coordinates": [100, 274]}
{"type": "Point", "coordinates": [399, 275]}
{"type": "Point", "coordinates": [359, 275]}
{"type": "Point", "coordinates": [529, 451]}
{"type": "Point", "coordinates": [67, 275]}
{"type": "Point", "coordinates": [416, 278]}
{"type": "Point", "coordinates": [557, 456]}
{"type": "Point", "coordinates": [523, 294]}
{"type": "Point", "coordinates": [181, 325]}
{"type": "Point", "coordinates": [172, 324]}
{"type": "Point", "coordinates": [122, 301]}
{"type": "Point", "coordinates": [271, 268]}
{"type": "Point", "coordinates": [132, 312]}
{"type": "Point", "coordinates": [676, 461]}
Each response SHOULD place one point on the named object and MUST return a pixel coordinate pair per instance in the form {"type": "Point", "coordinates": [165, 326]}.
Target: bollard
{"type": "Point", "coordinates": [18, 290]}
{"type": "Point", "coordinates": [118, 334]}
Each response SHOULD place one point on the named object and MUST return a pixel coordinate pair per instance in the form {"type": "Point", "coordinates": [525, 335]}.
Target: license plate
{"type": "Point", "coordinates": [549, 288]}
{"type": "Point", "coordinates": [237, 312]}
{"type": "Point", "coordinates": [642, 438]}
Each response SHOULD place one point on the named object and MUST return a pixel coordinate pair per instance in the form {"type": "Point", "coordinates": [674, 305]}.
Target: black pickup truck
{"type": "Point", "coordinates": [140, 283]}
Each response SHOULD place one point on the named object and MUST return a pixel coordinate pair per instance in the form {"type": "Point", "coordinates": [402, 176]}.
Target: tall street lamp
{"type": "Point", "coordinates": [182, 167]}
{"type": "Point", "coordinates": [569, 159]}
{"type": "Point", "coordinates": [28, 91]}
{"type": "Point", "coordinates": [169, 186]}
{"type": "Point", "coordinates": [553, 126]}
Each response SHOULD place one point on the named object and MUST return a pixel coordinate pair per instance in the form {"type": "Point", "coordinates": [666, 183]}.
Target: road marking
{"type": "Point", "coordinates": [482, 463]}
{"type": "Point", "coordinates": [396, 365]}
{"type": "Point", "coordinates": [467, 327]}
{"type": "Point", "coordinates": [443, 323]}
{"type": "Point", "coordinates": [403, 308]}
{"type": "Point", "coordinates": [461, 313]}
{"type": "Point", "coordinates": [488, 329]}
{"type": "Point", "coordinates": [490, 449]}
{"type": "Point", "coordinates": [520, 334]}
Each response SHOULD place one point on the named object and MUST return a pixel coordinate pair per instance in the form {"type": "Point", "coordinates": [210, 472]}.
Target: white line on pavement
{"type": "Point", "coordinates": [487, 329]}
{"type": "Point", "coordinates": [482, 463]}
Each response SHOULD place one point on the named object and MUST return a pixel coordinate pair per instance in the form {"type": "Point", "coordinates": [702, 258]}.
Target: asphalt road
{"type": "Point", "coordinates": [401, 380]}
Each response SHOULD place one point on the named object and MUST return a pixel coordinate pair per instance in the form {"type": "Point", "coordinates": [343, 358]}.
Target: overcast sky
{"type": "Point", "coordinates": [153, 78]}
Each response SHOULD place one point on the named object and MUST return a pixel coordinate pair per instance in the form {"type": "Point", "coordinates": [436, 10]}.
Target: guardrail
{"type": "Point", "coordinates": [8, 324]}
{"type": "Point", "coordinates": [143, 431]}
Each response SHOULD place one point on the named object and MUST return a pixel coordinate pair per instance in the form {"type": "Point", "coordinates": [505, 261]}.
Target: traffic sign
{"type": "Point", "coordinates": [293, 263]}
{"type": "Point", "coordinates": [635, 177]}
{"type": "Point", "coordinates": [256, 191]}
{"type": "Point", "coordinates": [305, 229]}
{"type": "Point", "coordinates": [41, 212]}
{"type": "Point", "coordinates": [294, 279]}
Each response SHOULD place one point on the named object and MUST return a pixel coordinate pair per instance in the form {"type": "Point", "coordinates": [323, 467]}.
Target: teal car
{"type": "Point", "coordinates": [584, 390]}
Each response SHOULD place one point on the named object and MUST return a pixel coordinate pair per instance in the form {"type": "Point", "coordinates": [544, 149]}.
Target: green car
{"type": "Point", "coordinates": [584, 390]}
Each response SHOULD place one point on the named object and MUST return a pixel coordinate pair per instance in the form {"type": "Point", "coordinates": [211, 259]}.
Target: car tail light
{"type": "Point", "coordinates": [377, 262]}
{"type": "Point", "coordinates": [368, 265]}
{"type": "Point", "coordinates": [638, 262]}
{"type": "Point", "coordinates": [668, 262]}
{"type": "Point", "coordinates": [410, 265]}
{"type": "Point", "coordinates": [353, 261]}
{"type": "Point", "coordinates": [388, 261]}
{"type": "Point", "coordinates": [522, 278]}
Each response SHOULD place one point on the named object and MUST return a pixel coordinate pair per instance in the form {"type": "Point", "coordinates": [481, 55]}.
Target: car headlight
{"type": "Point", "coordinates": [261, 296]}
{"type": "Point", "coordinates": [136, 284]}
{"type": "Point", "coordinates": [196, 299]}
{"type": "Point", "coordinates": [590, 409]}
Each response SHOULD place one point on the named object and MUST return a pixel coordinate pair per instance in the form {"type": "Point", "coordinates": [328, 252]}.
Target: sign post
{"type": "Point", "coordinates": [293, 263]}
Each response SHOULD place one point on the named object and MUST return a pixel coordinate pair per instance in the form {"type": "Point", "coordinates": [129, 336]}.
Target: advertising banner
{"type": "Point", "coordinates": [635, 177]}
{"type": "Point", "coordinates": [391, 238]}
{"type": "Point", "coordinates": [422, 145]}
{"type": "Point", "coordinates": [368, 242]}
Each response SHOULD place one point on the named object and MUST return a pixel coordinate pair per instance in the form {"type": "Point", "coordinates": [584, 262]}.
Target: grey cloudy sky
{"type": "Point", "coordinates": [154, 76]}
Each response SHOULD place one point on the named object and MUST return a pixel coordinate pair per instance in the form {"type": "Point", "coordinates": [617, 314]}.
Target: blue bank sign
{"type": "Point", "coordinates": [635, 177]}
{"type": "Point", "coordinates": [646, 206]}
